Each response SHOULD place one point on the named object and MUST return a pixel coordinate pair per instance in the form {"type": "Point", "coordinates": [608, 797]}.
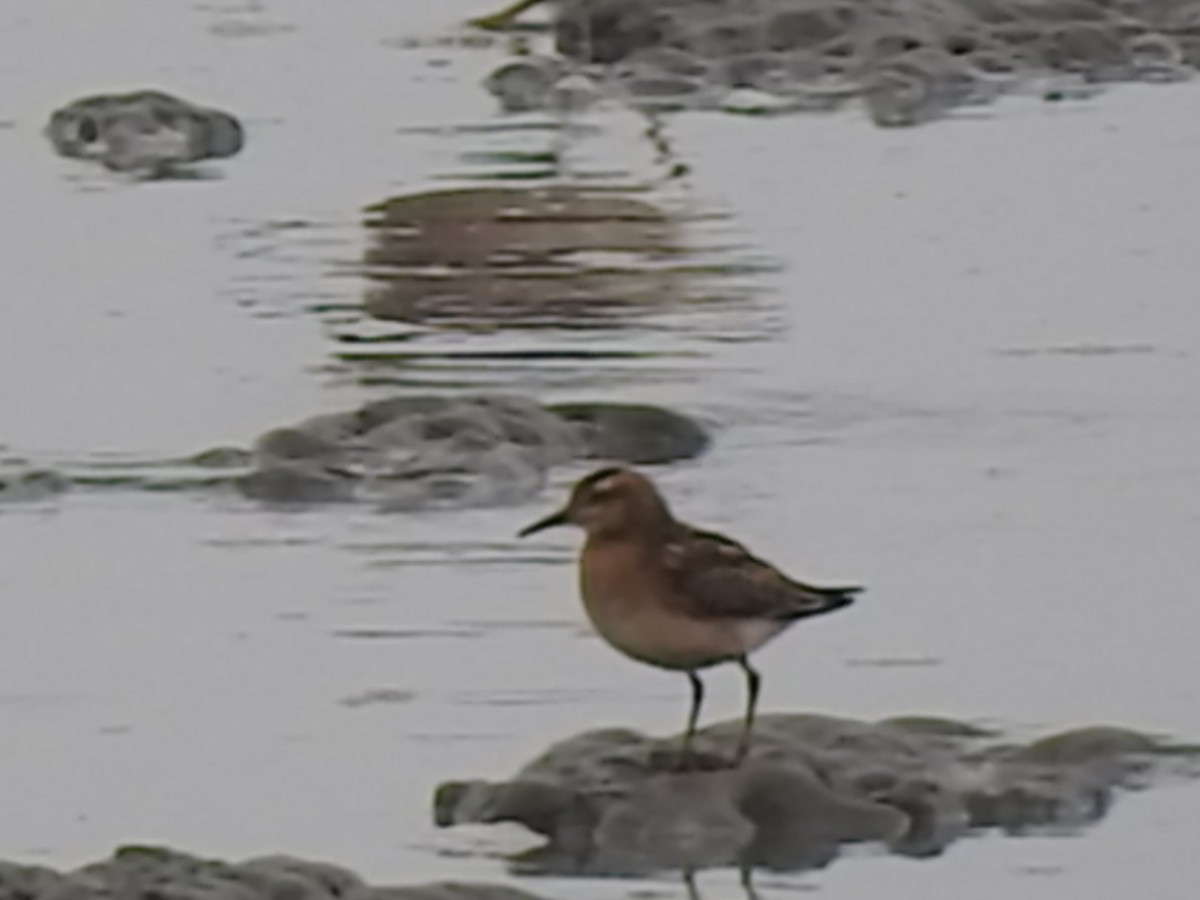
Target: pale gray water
{"type": "Point", "coordinates": [973, 387]}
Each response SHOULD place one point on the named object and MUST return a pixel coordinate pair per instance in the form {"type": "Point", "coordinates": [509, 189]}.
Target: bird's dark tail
{"type": "Point", "coordinates": [820, 600]}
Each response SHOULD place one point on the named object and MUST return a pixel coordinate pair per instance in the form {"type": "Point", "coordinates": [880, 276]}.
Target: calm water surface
{"type": "Point", "coordinates": [971, 384]}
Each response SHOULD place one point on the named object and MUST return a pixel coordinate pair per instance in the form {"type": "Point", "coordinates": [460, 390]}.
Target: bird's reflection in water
{"type": "Point", "coordinates": [766, 814]}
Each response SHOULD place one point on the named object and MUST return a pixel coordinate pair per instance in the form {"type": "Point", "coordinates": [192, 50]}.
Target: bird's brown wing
{"type": "Point", "coordinates": [719, 577]}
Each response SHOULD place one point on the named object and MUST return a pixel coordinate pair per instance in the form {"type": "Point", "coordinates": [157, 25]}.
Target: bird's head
{"type": "Point", "coordinates": [609, 501]}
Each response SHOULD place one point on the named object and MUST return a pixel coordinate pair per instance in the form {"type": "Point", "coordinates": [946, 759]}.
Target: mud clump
{"type": "Point", "coordinates": [815, 54]}
{"type": "Point", "coordinates": [432, 451]}
{"type": "Point", "coordinates": [153, 872]}
{"type": "Point", "coordinates": [615, 803]}
{"type": "Point", "coordinates": [147, 133]}
{"type": "Point", "coordinates": [405, 453]}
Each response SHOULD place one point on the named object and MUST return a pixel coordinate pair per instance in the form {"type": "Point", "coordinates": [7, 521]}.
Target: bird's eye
{"type": "Point", "coordinates": [598, 487]}
{"type": "Point", "coordinates": [602, 490]}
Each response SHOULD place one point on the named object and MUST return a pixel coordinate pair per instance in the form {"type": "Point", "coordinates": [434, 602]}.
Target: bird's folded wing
{"type": "Point", "coordinates": [717, 576]}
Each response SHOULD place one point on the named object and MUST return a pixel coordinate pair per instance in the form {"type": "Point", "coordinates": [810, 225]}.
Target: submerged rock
{"type": "Point", "coordinates": [145, 132]}
{"type": "Point", "coordinates": [613, 802]}
{"type": "Point", "coordinates": [433, 451]}
{"type": "Point", "coordinates": [146, 872]}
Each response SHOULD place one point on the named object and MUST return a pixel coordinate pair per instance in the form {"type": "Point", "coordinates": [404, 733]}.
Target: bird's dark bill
{"type": "Point", "coordinates": [551, 521]}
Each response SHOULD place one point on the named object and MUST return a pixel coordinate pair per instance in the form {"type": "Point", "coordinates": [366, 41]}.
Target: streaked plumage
{"type": "Point", "coordinates": [722, 578]}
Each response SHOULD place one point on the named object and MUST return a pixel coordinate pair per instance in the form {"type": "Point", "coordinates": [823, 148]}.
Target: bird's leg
{"type": "Point", "coordinates": [753, 682]}
{"type": "Point", "coordinates": [685, 752]}
{"type": "Point", "coordinates": [746, 877]}
{"type": "Point", "coordinates": [689, 882]}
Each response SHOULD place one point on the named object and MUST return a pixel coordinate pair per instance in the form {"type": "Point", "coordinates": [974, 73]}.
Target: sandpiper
{"type": "Point", "coordinates": [676, 597]}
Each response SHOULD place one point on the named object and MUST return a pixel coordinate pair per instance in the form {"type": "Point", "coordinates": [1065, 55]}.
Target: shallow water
{"type": "Point", "coordinates": [971, 385]}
